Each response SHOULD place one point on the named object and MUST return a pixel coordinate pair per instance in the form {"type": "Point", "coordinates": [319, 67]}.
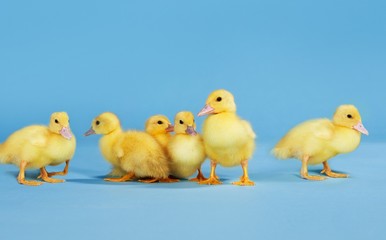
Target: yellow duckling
{"type": "Point", "coordinates": [135, 152]}
{"type": "Point", "coordinates": [316, 141]}
{"type": "Point", "coordinates": [35, 147]}
{"type": "Point", "coordinates": [186, 148]}
{"type": "Point", "coordinates": [228, 140]}
{"type": "Point", "coordinates": [159, 127]}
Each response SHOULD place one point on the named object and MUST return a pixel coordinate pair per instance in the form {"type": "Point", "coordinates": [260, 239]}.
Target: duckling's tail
{"type": "Point", "coordinates": [282, 153]}
{"type": "Point", "coordinates": [3, 158]}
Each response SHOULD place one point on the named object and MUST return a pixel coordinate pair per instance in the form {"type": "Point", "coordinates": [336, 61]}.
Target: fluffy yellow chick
{"type": "Point", "coordinates": [186, 148]}
{"type": "Point", "coordinates": [316, 141]}
{"type": "Point", "coordinates": [137, 153]}
{"type": "Point", "coordinates": [35, 147]}
{"type": "Point", "coordinates": [159, 127]}
{"type": "Point", "coordinates": [228, 140]}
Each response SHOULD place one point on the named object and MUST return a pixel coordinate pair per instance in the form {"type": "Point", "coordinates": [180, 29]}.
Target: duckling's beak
{"type": "Point", "coordinates": [360, 128]}
{"type": "Point", "coordinates": [89, 132]}
{"type": "Point", "coordinates": [170, 128]}
{"type": "Point", "coordinates": [190, 130]}
{"type": "Point", "coordinates": [206, 110]}
{"type": "Point", "coordinates": [66, 133]}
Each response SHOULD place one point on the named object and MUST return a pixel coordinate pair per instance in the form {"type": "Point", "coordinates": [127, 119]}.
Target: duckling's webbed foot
{"type": "Point", "coordinates": [169, 180]}
{"type": "Point", "coordinates": [213, 179]}
{"type": "Point", "coordinates": [200, 177]}
{"type": "Point", "coordinates": [304, 171]}
{"type": "Point", "coordinates": [327, 170]}
{"type": "Point", "coordinates": [21, 176]}
{"type": "Point", "coordinates": [127, 177]}
{"type": "Point", "coordinates": [62, 173]}
{"type": "Point", "coordinates": [244, 180]}
{"type": "Point", "coordinates": [44, 176]}
{"type": "Point", "coordinates": [149, 180]}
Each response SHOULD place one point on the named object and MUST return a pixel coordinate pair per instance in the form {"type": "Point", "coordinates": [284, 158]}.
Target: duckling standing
{"type": "Point", "coordinates": [186, 148]}
{"type": "Point", "coordinates": [317, 141]}
{"type": "Point", "coordinates": [159, 127]}
{"type": "Point", "coordinates": [35, 147]}
{"type": "Point", "coordinates": [228, 140]}
{"type": "Point", "coordinates": [135, 152]}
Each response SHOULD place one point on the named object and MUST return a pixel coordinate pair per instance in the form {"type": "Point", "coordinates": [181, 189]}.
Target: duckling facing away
{"type": "Point", "coordinates": [159, 127]}
{"type": "Point", "coordinates": [186, 148]}
{"type": "Point", "coordinates": [228, 140]}
{"type": "Point", "coordinates": [35, 147]}
{"type": "Point", "coordinates": [316, 141]}
{"type": "Point", "coordinates": [135, 152]}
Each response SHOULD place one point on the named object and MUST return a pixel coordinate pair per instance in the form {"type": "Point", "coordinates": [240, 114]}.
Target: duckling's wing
{"type": "Point", "coordinates": [35, 135]}
{"type": "Point", "coordinates": [248, 128]}
{"type": "Point", "coordinates": [323, 129]}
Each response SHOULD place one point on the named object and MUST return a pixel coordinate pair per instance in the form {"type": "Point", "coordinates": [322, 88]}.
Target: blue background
{"type": "Point", "coordinates": [285, 62]}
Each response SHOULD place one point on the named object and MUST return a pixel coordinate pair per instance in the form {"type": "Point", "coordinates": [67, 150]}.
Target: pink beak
{"type": "Point", "coordinates": [89, 132]}
{"type": "Point", "coordinates": [206, 110]}
{"type": "Point", "coordinates": [66, 133]}
{"type": "Point", "coordinates": [360, 128]}
{"type": "Point", "coordinates": [190, 130]}
{"type": "Point", "coordinates": [170, 128]}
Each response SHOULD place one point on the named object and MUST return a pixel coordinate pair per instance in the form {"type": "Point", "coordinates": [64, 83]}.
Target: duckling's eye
{"type": "Point", "coordinates": [97, 122]}
{"type": "Point", "coordinates": [181, 122]}
{"type": "Point", "coordinates": [160, 122]}
{"type": "Point", "coordinates": [219, 99]}
{"type": "Point", "coordinates": [349, 116]}
{"type": "Point", "coordinates": [56, 121]}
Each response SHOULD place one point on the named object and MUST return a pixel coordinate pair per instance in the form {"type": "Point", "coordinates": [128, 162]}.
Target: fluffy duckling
{"type": "Point", "coordinates": [159, 127]}
{"type": "Point", "coordinates": [137, 153]}
{"type": "Point", "coordinates": [186, 148]}
{"type": "Point", "coordinates": [36, 146]}
{"type": "Point", "coordinates": [316, 141]}
{"type": "Point", "coordinates": [228, 140]}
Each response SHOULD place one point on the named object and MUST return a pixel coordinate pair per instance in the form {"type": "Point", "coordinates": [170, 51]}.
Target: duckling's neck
{"type": "Point", "coordinates": [106, 144]}
{"type": "Point", "coordinates": [346, 139]}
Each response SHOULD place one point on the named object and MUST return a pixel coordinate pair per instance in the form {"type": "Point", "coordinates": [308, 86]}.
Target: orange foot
{"type": "Point", "coordinates": [244, 181]}
{"type": "Point", "coordinates": [149, 180]}
{"type": "Point", "coordinates": [29, 183]}
{"type": "Point", "coordinates": [129, 176]}
{"type": "Point", "coordinates": [200, 177]}
{"type": "Point", "coordinates": [313, 178]}
{"type": "Point", "coordinates": [334, 174]}
{"type": "Point", "coordinates": [211, 181]}
{"type": "Point", "coordinates": [169, 180]}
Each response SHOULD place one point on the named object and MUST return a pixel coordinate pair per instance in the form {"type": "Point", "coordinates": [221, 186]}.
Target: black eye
{"type": "Point", "coordinates": [219, 99]}
{"type": "Point", "coordinates": [97, 122]}
{"type": "Point", "coordinates": [56, 121]}
{"type": "Point", "coordinates": [181, 122]}
{"type": "Point", "coordinates": [160, 122]}
{"type": "Point", "coordinates": [349, 116]}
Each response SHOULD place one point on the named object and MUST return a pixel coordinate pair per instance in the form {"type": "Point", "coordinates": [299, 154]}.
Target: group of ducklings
{"type": "Point", "coordinates": [155, 155]}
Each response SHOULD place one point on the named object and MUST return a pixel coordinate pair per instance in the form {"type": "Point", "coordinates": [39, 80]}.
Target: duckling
{"type": "Point", "coordinates": [159, 127]}
{"type": "Point", "coordinates": [228, 140]}
{"type": "Point", "coordinates": [135, 152]}
{"type": "Point", "coordinates": [36, 146]}
{"type": "Point", "coordinates": [317, 141]}
{"type": "Point", "coordinates": [186, 148]}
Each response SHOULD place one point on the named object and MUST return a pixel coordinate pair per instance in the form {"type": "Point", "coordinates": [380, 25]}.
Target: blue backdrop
{"type": "Point", "coordinates": [285, 62]}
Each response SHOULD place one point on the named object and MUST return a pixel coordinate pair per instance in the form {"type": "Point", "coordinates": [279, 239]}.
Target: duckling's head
{"type": "Point", "coordinates": [104, 124]}
{"type": "Point", "coordinates": [158, 124]}
{"type": "Point", "coordinates": [219, 101]}
{"type": "Point", "coordinates": [348, 116]}
{"type": "Point", "coordinates": [184, 123]}
{"type": "Point", "coordinates": [60, 124]}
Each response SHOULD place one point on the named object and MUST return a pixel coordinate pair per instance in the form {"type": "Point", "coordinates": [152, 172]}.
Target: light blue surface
{"type": "Point", "coordinates": [285, 62]}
